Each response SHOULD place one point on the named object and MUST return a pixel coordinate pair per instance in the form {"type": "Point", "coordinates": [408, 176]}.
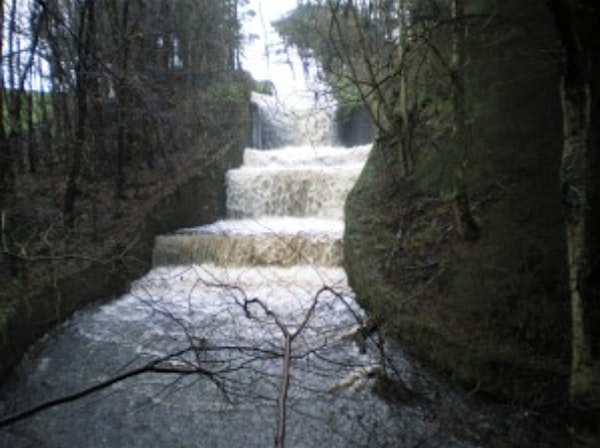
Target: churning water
{"type": "Point", "coordinates": [208, 327]}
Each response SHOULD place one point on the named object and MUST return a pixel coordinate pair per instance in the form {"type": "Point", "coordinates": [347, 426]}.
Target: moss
{"type": "Point", "coordinates": [41, 103]}
{"type": "Point", "coordinates": [266, 87]}
{"type": "Point", "coordinates": [370, 236]}
{"type": "Point", "coordinates": [490, 314]}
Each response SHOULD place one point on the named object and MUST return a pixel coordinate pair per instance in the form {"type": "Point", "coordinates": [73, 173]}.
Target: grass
{"type": "Point", "coordinates": [41, 108]}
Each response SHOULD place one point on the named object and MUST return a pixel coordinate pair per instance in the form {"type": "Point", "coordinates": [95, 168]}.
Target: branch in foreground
{"type": "Point", "coordinates": [157, 366]}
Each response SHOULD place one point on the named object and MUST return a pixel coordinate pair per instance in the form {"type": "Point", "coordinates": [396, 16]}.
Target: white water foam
{"type": "Point", "coordinates": [296, 156]}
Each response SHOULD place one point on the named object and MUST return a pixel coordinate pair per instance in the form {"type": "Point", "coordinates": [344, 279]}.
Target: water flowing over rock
{"type": "Point", "coordinates": [274, 125]}
{"type": "Point", "coordinates": [270, 125]}
{"type": "Point", "coordinates": [216, 315]}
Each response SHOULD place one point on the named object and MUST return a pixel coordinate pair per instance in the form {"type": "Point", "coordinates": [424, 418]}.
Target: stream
{"type": "Point", "coordinates": [207, 331]}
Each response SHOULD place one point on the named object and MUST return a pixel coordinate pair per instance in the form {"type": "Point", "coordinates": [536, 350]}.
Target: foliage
{"type": "Point", "coordinates": [265, 87]}
{"type": "Point", "coordinates": [327, 34]}
{"type": "Point", "coordinates": [37, 111]}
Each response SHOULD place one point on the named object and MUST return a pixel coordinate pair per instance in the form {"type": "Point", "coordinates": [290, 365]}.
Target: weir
{"type": "Point", "coordinates": [290, 208]}
{"type": "Point", "coordinates": [216, 315]}
{"type": "Point", "coordinates": [285, 206]}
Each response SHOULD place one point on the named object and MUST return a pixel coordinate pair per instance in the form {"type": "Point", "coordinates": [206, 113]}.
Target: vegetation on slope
{"type": "Point", "coordinates": [143, 109]}
{"type": "Point", "coordinates": [455, 237]}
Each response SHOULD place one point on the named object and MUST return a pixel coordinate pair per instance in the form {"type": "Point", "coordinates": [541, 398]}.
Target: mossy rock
{"type": "Point", "coordinates": [488, 314]}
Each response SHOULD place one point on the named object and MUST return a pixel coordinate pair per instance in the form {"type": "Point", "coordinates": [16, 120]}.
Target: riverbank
{"type": "Point", "coordinates": [447, 301]}
{"type": "Point", "coordinates": [190, 192]}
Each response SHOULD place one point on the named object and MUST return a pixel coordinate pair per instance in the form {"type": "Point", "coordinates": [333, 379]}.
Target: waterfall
{"type": "Point", "coordinates": [275, 124]}
{"type": "Point", "coordinates": [217, 314]}
{"type": "Point", "coordinates": [284, 206]}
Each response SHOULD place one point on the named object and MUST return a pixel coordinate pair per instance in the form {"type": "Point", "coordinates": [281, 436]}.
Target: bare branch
{"type": "Point", "coordinates": [160, 366]}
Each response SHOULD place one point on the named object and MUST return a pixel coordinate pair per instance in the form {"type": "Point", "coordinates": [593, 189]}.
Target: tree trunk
{"type": "Point", "coordinates": [7, 165]}
{"type": "Point", "coordinates": [84, 48]}
{"type": "Point", "coordinates": [405, 132]}
{"type": "Point", "coordinates": [467, 227]}
{"type": "Point", "coordinates": [122, 107]}
{"type": "Point", "coordinates": [577, 22]}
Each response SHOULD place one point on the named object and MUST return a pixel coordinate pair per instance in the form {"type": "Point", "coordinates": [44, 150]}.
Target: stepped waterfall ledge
{"type": "Point", "coordinates": [285, 206]}
{"type": "Point", "coordinates": [290, 208]}
{"type": "Point", "coordinates": [243, 334]}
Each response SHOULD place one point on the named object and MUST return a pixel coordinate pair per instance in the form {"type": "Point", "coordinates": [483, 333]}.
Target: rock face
{"type": "Point", "coordinates": [370, 219]}
{"type": "Point", "coordinates": [493, 314]}
{"type": "Point", "coordinates": [496, 323]}
{"type": "Point", "coordinates": [354, 127]}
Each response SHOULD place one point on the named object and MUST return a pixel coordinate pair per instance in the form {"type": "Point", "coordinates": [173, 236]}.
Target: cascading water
{"type": "Point", "coordinates": [212, 323]}
{"type": "Point", "coordinates": [274, 125]}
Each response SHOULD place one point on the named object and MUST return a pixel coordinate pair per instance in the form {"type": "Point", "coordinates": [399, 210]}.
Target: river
{"type": "Point", "coordinates": [243, 329]}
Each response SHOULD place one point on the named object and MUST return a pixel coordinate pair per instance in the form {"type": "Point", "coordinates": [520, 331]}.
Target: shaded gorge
{"type": "Point", "coordinates": [243, 329]}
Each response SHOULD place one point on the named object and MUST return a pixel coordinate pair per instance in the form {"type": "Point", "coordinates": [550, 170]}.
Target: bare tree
{"type": "Point", "coordinates": [466, 225]}
{"type": "Point", "coordinates": [198, 354]}
{"type": "Point", "coordinates": [84, 42]}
